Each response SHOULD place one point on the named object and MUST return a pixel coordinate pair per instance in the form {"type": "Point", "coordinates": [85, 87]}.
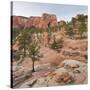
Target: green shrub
{"type": "Point", "coordinates": [56, 45]}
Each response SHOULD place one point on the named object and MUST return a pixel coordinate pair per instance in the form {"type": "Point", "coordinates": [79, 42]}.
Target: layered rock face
{"type": "Point", "coordinates": [41, 22]}
{"type": "Point", "coordinates": [18, 22]}
{"type": "Point", "coordinates": [45, 21]}
{"type": "Point", "coordinates": [48, 20]}
{"type": "Point", "coordinates": [75, 49]}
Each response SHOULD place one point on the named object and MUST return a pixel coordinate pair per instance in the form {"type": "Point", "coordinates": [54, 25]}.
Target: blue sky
{"type": "Point", "coordinates": [63, 12]}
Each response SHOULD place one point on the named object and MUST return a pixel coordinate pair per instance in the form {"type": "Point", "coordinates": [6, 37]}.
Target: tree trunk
{"type": "Point", "coordinates": [24, 52]}
{"type": "Point", "coordinates": [33, 70]}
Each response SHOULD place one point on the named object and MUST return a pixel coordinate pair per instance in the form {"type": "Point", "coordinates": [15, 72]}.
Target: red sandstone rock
{"type": "Point", "coordinates": [44, 21]}
{"type": "Point", "coordinates": [18, 22]}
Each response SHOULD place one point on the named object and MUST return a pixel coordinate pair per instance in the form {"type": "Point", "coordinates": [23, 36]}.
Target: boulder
{"type": "Point", "coordinates": [78, 70]}
{"type": "Point", "coordinates": [72, 64]}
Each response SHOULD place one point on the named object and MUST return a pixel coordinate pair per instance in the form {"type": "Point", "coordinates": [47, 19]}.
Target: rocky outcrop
{"type": "Point", "coordinates": [68, 72]}
{"type": "Point", "coordinates": [45, 21]}
{"type": "Point", "coordinates": [75, 49]}
{"type": "Point", "coordinates": [18, 22]}
{"type": "Point", "coordinates": [20, 74]}
{"type": "Point", "coordinates": [78, 70]}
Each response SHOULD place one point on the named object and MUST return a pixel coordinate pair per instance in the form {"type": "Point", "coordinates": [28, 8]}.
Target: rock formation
{"type": "Point", "coordinates": [77, 20]}
{"type": "Point", "coordinates": [18, 22]}
{"type": "Point", "coordinates": [68, 72]}
{"type": "Point", "coordinates": [45, 21]}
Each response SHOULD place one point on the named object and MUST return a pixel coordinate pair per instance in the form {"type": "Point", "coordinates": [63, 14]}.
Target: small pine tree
{"type": "Point", "coordinates": [56, 45]}
{"type": "Point", "coordinates": [33, 53]}
{"type": "Point", "coordinates": [82, 29]}
{"type": "Point", "coordinates": [69, 29]}
{"type": "Point", "coordinates": [70, 32]}
{"type": "Point", "coordinates": [24, 38]}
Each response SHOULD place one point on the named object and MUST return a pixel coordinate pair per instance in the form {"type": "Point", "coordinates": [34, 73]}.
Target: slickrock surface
{"type": "Point", "coordinates": [68, 72]}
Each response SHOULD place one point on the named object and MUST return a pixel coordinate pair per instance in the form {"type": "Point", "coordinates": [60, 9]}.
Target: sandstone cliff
{"type": "Point", "coordinates": [45, 21]}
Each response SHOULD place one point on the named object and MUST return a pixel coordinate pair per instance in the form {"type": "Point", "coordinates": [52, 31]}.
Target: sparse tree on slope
{"type": "Point", "coordinates": [33, 53]}
{"type": "Point", "coordinates": [24, 39]}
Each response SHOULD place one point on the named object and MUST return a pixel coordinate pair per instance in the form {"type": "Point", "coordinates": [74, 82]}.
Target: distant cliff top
{"type": "Point", "coordinates": [44, 21]}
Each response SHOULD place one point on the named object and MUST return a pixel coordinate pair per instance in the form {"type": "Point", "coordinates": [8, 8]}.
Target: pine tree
{"type": "Point", "coordinates": [56, 45]}
{"type": "Point", "coordinates": [33, 53]}
{"type": "Point", "coordinates": [69, 29]}
{"type": "Point", "coordinates": [24, 39]}
{"type": "Point", "coordinates": [82, 29]}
